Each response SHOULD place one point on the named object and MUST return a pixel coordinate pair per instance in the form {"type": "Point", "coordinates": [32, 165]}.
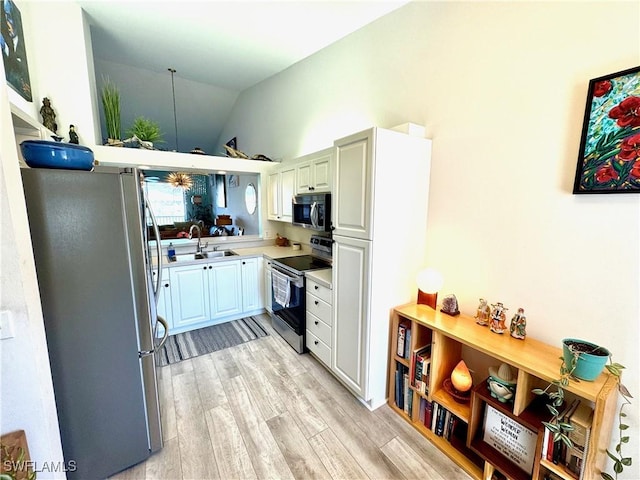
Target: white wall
{"type": "Point", "coordinates": [27, 401]}
{"type": "Point", "coordinates": [501, 88]}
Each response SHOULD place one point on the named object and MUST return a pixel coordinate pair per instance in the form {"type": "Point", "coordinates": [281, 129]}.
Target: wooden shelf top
{"type": "Point", "coordinates": [530, 355]}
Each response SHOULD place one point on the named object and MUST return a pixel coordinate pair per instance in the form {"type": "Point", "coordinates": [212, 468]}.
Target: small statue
{"type": "Point", "coordinates": [483, 313]}
{"type": "Point", "coordinates": [518, 325]}
{"type": "Point", "coordinates": [48, 115]}
{"type": "Point", "coordinates": [73, 136]}
{"type": "Point", "coordinates": [498, 318]}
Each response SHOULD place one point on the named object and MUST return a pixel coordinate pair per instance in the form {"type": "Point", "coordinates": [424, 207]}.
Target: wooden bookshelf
{"type": "Point", "coordinates": [536, 364]}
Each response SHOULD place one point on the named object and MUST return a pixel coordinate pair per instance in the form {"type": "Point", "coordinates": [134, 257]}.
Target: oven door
{"type": "Point", "coordinates": [288, 298]}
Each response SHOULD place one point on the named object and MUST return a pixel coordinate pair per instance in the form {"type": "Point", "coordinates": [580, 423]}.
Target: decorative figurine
{"type": "Point", "coordinates": [73, 136]}
{"type": "Point", "coordinates": [450, 305]}
{"type": "Point", "coordinates": [482, 313]}
{"type": "Point", "coordinates": [498, 318]}
{"type": "Point", "coordinates": [518, 325]}
{"type": "Point", "coordinates": [502, 383]}
{"type": "Point", "coordinates": [48, 115]}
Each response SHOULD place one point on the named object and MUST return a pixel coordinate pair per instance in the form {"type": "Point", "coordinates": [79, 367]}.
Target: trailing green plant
{"type": "Point", "coordinates": [560, 430]}
{"type": "Point", "coordinates": [111, 106]}
{"type": "Point", "coordinates": [146, 130]}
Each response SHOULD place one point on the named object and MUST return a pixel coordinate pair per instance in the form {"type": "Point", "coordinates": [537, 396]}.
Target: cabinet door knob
{"type": "Point", "coordinates": [316, 302]}
{"type": "Point", "coordinates": [210, 267]}
{"type": "Point", "coordinates": [204, 268]}
{"type": "Point", "coordinates": [316, 287]}
{"type": "Point", "coordinates": [316, 322]}
{"type": "Point", "coordinates": [315, 342]}
{"type": "Point", "coordinates": [166, 284]}
{"type": "Point", "coordinates": [244, 263]}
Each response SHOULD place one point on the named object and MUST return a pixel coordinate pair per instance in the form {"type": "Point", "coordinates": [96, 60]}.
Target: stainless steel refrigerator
{"type": "Point", "coordinates": [93, 265]}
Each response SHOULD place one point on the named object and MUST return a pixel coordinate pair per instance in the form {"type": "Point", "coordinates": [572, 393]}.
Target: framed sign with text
{"type": "Point", "coordinates": [513, 440]}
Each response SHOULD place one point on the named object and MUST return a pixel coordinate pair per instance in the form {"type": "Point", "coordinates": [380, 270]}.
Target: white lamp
{"type": "Point", "coordinates": [429, 283]}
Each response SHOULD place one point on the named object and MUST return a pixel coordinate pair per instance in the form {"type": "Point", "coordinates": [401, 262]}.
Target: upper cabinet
{"type": "Point", "coordinates": [281, 188]}
{"type": "Point", "coordinates": [353, 180]}
{"type": "Point", "coordinates": [313, 172]}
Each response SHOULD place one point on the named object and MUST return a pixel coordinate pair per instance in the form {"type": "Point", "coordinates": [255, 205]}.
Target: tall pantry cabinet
{"type": "Point", "coordinates": [380, 201]}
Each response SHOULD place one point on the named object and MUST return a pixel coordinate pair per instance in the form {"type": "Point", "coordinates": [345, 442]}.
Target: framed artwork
{"type": "Point", "coordinates": [14, 53]}
{"type": "Point", "coordinates": [234, 181]}
{"type": "Point", "coordinates": [609, 159]}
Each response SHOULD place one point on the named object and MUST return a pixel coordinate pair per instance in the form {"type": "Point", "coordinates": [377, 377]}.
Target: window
{"type": "Point", "coordinates": [166, 201]}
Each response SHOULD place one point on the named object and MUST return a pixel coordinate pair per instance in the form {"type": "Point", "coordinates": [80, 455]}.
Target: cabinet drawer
{"type": "Point", "coordinates": [319, 291]}
{"type": "Point", "coordinates": [319, 349]}
{"type": "Point", "coordinates": [319, 328]}
{"type": "Point", "coordinates": [319, 308]}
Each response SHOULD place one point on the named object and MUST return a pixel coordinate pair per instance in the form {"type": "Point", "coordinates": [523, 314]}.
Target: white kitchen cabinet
{"type": "Point", "coordinates": [280, 192]}
{"type": "Point", "coordinates": [268, 286]}
{"type": "Point", "coordinates": [225, 288]}
{"type": "Point", "coordinates": [251, 284]}
{"type": "Point", "coordinates": [380, 199]}
{"type": "Point", "coordinates": [189, 295]}
{"type": "Point", "coordinates": [319, 315]}
{"type": "Point", "coordinates": [351, 258]}
{"type": "Point", "coordinates": [351, 207]}
{"type": "Point", "coordinates": [313, 172]}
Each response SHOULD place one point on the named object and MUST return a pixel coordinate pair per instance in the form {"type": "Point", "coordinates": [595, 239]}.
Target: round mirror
{"type": "Point", "coordinates": [250, 198]}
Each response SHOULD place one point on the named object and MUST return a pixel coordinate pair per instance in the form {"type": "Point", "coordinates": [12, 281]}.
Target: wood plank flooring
{"type": "Point", "coordinates": [261, 411]}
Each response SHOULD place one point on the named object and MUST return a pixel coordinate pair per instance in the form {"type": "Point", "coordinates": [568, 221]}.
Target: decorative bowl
{"type": "Point", "coordinates": [47, 154]}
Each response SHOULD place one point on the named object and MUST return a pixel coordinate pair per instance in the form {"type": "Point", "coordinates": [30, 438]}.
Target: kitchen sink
{"type": "Point", "coordinates": [220, 253]}
{"type": "Point", "coordinates": [190, 257]}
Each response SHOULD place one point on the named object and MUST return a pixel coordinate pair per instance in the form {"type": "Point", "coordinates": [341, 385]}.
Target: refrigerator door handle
{"type": "Point", "coordinates": [163, 322]}
{"type": "Point", "coordinates": [166, 332]}
{"type": "Point", "coordinates": [156, 231]}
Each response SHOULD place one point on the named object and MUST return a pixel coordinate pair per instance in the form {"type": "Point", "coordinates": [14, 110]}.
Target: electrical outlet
{"type": "Point", "coordinates": [6, 325]}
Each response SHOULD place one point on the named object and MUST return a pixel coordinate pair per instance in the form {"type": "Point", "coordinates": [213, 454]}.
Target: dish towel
{"type": "Point", "coordinates": [281, 288]}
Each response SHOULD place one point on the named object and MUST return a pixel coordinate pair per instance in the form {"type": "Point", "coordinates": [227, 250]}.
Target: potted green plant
{"type": "Point", "coordinates": [111, 106]}
{"type": "Point", "coordinates": [555, 393]}
{"type": "Point", "coordinates": [146, 130]}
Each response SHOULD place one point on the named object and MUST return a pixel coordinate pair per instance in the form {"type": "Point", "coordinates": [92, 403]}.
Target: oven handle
{"type": "Point", "coordinates": [298, 281]}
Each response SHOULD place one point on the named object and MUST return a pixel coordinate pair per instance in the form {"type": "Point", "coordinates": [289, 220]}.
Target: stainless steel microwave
{"type": "Point", "coordinates": [312, 211]}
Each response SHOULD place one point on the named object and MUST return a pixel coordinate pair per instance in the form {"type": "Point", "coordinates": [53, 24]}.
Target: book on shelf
{"type": "Point", "coordinates": [434, 416]}
{"type": "Point", "coordinates": [555, 451]}
{"type": "Point", "coordinates": [580, 420]}
{"type": "Point", "coordinates": [402, 335]}
{"type": "Point", "coordinates": [407, 344]}
{"type": "Point", "coordinates": [421, 361]}
{"type": "Point", "coordinates": [400, 375]}
{"type": "Point", "coordinates": [441, 419]}
{"type": "Point", "coordinates": [428, 412]}
{"type": "Point", "coordinates": [422, 411]}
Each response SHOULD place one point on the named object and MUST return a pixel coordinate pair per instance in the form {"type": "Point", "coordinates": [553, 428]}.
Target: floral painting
{"type": "Point", "coordinates": [609, 160]}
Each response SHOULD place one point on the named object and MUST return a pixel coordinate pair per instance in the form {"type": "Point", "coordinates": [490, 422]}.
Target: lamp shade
{"type": "Point", "coordinates": [429, 280]}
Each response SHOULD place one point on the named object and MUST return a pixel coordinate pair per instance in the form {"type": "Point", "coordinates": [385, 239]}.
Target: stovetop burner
{"type": "Point", "coordinates": [304, 263]}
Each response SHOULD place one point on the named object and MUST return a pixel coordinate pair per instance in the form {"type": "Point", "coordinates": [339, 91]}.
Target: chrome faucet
{"type": "Point", "coordinates": [199, 248]}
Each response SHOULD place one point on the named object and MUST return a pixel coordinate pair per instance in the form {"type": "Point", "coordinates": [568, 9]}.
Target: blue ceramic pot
{"type": "Point", "coordinates": [47, 154]}
{"type": "Point", "coordinates": [591, 360]}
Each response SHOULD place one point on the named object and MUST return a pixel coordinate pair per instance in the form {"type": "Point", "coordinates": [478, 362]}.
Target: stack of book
{"type": "Point", "coordinates": [438, 419]}
{"type": "Point", "coordinates": [579, 415]}
{"type": "Point", "coordinates": [404, 340]}
{"type": "Point", "coordinates": [421, 367]}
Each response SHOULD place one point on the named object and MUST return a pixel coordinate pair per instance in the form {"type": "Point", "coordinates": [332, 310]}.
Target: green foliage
{"type": "Point", "coordinates": [111, 106]}
{"type": "Point", "coordinates": [146, 129]}
{"type": "Point", "coordinates": [618, 458]}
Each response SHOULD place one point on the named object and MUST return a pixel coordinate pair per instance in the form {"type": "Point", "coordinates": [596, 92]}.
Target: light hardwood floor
{"type": "Point", "coordinates": [259, 410]}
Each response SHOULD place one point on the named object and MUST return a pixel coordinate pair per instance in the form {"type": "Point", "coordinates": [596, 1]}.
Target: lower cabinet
{"type": "Point", "coordinates": [251, 284]}
{"type": "Point", "coordinates": [268, 286]}
{"type": "Point", "coordinates": [189, 295]}
{"type": "Point", "coordinates": [225, 289]}
{"type": "Point", "coordinates": [319, 321]}
{"type": "Point", "coordinates": [205, 293]}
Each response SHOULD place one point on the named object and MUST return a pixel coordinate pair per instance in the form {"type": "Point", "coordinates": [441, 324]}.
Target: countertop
{"type": "Point", "coordinates": [268, 251]}
{"type": "Point", "coordinates": [323, 277]}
